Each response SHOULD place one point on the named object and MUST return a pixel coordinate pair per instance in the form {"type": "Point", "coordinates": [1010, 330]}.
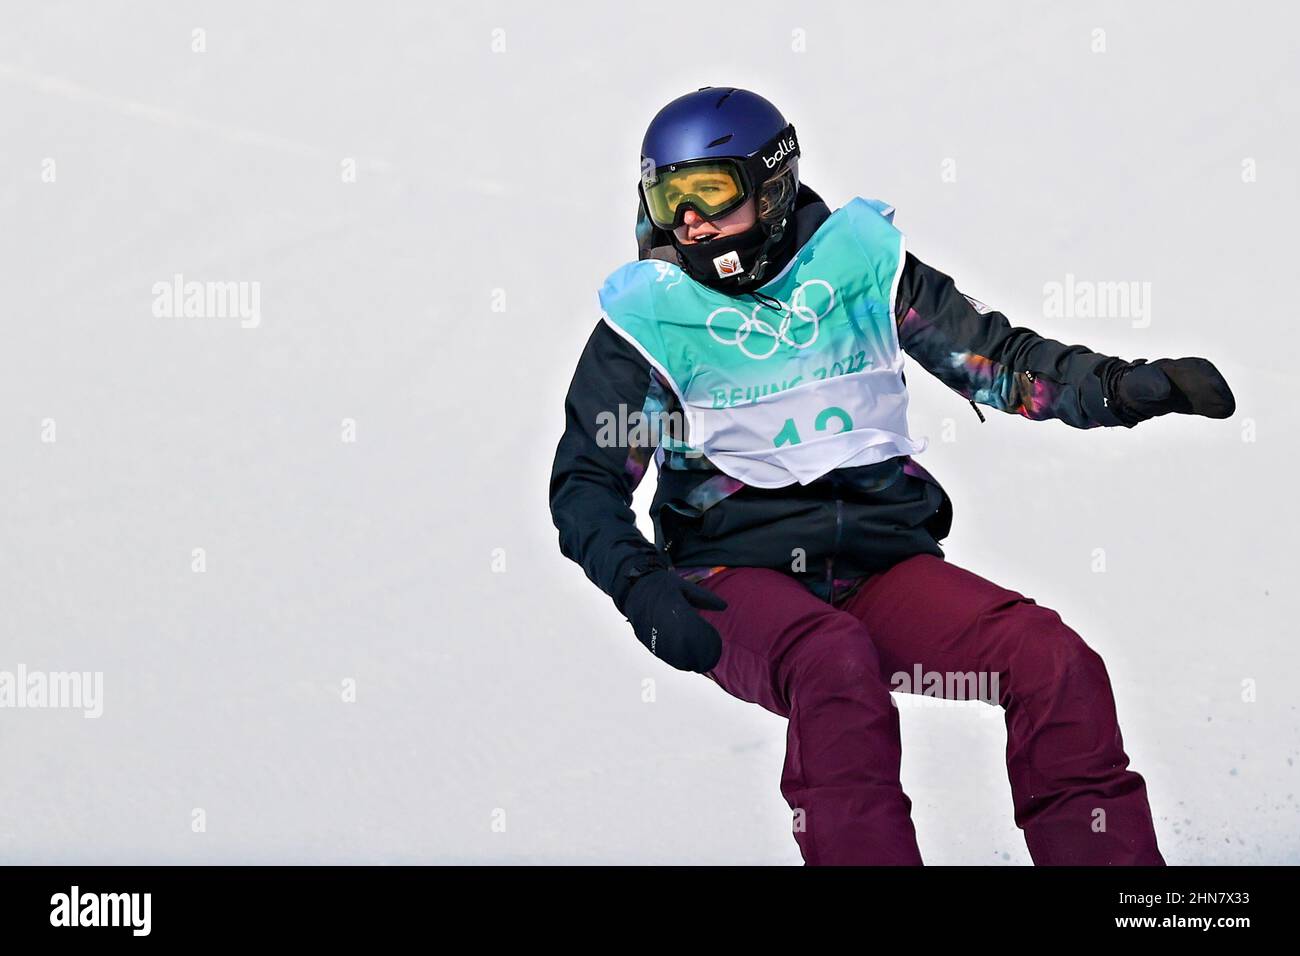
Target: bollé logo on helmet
{"type": "Point", "coordinates": [783, 149]}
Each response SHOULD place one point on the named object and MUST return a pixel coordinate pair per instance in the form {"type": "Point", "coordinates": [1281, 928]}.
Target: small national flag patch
{"type": "Point", "coordinates": [728, 264]}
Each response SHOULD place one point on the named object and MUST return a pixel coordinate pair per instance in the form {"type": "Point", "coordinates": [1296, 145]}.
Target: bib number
{"type": "Point", "coordinates": [789, 433]}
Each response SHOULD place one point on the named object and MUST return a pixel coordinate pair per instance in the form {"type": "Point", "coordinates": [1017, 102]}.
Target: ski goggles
{"type": "Point", "coordinates": [712, 187]}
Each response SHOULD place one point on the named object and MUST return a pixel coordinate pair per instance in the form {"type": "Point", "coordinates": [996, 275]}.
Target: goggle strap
{"type": "Point", "coordinates": [777, 151]}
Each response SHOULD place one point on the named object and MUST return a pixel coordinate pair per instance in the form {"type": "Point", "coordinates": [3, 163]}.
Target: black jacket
{"type": "Point", "coordinates": [850, 523]}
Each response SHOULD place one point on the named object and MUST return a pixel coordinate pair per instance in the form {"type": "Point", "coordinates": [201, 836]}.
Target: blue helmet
{"type": "Point", "coordinates": [713, 122]}
{"type": "Point", "coordinates": [712, 151]}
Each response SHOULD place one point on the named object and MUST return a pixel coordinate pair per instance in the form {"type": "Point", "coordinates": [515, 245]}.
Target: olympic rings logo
{"type": "Point", "coordinates": [751, 324]}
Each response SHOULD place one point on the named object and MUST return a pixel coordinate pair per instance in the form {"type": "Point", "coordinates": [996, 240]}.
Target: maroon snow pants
{"type": "Point", "coordinates": [829, 670]}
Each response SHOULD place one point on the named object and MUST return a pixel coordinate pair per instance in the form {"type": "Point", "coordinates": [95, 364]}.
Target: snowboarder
{"type": "Point", "coordinates": [796, 559]}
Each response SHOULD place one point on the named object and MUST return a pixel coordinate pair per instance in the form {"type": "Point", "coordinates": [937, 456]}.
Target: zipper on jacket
{"type": "Point", "coordinates": [977, 410]}
{"type": "Point", "coordinates": [835, 550]}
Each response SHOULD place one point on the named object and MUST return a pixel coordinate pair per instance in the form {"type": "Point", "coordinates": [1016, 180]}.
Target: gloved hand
{"type": "Point", "coordinates": [662, 610]}
{"type": "Point", "coordinates": [1188, 386]}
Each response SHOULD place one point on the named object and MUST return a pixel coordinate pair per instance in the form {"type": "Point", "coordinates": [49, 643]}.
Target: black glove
{"type": "Point", "coordinates": [661, 609]}
{"type": "Point", "coordinates": [1189, 386]}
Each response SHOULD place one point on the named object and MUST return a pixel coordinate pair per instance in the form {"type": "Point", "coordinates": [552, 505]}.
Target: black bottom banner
{"type": "Point", "coordinates": [334, 905]}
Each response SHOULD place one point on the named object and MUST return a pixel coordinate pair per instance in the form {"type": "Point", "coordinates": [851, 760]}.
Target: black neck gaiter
{"type": "Point", "coordinates": [759, 257]}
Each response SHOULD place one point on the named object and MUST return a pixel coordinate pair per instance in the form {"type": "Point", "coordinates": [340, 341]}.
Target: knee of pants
{"type": "Point", "coordinates": [1047, 655]}
{"type": "Point", "coordinates": [838, 655]}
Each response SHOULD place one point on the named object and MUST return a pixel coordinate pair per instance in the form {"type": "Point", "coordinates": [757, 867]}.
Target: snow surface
{"type": "Point", "coordinates": [485, 695]}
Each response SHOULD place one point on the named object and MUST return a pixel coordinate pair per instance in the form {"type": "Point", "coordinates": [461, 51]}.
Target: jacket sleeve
{"type": "Point", "coordinates": [974, 351]}
{"type": "Point", "coordinates": [598, 465]}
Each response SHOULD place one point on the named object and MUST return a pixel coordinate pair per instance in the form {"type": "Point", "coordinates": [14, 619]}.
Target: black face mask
{"type": "Point", "coordinates": [755, 255]}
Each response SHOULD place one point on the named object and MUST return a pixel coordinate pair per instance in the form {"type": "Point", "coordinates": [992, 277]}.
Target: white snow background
{"type": "Point", "coordinates": [482, 169]}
